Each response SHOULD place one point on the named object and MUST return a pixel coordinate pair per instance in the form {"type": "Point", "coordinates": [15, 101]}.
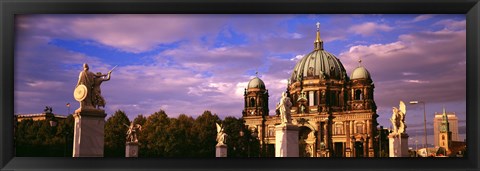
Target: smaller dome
{"type": "Point", "coordinates": [360, 73]}
{"type": "Point", "coordinates": [256, 83]}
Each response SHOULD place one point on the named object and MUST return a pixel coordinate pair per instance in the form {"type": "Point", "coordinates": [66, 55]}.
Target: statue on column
{"type": "Point", "coordinates": [398, 119]}
{"type": "Point", "coordinates": [87, 90]}
{"type": "Point", "coordinates": [132, 133]}
{"type": "Point", "coordinates": [98, 98]}
{"type": "Point", "coordinates": [284, 107]}
{"type": "Point", "coordinates": [220, 134]}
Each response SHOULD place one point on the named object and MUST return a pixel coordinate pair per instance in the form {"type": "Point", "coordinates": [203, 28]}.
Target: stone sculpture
{"type": "Point", "coordinates": [284, 107]}
{"type": "Point", "coordinates": [132, 133]}
{"type": "Point", "coordinates": [398, 119]}
{"type": "Point", "coordinates": [87, 90]}
{"type": "Point", "coordinates": [220, 135]}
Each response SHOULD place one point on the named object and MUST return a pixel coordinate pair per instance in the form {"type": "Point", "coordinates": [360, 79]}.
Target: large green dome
{"type": "Point", "coordinates": [319, 64]}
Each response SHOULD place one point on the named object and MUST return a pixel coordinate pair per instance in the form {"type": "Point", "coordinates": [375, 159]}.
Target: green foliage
{"type": "Point", "coordinates": [115, 134]}
{"type": "Point", "coordinates": [240, 142]}
{"type": "Point", "coordinates": [153, 136]}
{"type": "Point", "coordinates": [39, 139]}
{"type": "Point", "coordinates": [140, 119]}
{"type": "Point", "coordinates": [205, 130]}
{"type": "Point", "coordinates": [161, 136]}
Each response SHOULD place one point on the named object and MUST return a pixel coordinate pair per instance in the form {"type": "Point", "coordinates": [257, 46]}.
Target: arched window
{"type": "Point", "coordinates": [358, 95]}
{"type": "Point", "coordinates": [333, 98]}
{"type": "Point", "coordinates": [271, 132]}
{"type": "Point", "coordinates": [252, 102]}
{"type": "Point", "coordinates": [311, 98]}
{"type": "Point", "coordinates": [360, 128]}
{"type": "Point", "coordinates": [339, 129]}
{"type": "Point", "coordinates": [443, 137]}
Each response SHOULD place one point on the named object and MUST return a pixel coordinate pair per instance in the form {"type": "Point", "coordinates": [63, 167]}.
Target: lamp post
{"type": "Point", "coordinates": [241, 137]}
{"type": "Point", "coordinates": [380, 141]}
{"type": "Point", "coordinates": [354, 149]}
{"type": "Point", "coordinates": [416, 155]}
{"type": "Point", "coordinates": [362, 146]}
{"type": "Point", "coordinates": [68, 106]}
{"type": "Point", "coordinates": [424, 123]}
{"type": "Point", "coordinates": [254, 135]}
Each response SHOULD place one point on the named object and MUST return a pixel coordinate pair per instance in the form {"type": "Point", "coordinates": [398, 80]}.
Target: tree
{"type": "Point", "coordinates": [115, 134]}
{"type": "Point", "coordinates": [36, 139]}
{"type": "Point", "coordinates": [205, 132]}
{"type": "Point", "coordinates": [154, 136]}
{"type": "Point", "coordinates": [65, 130]}
{"type": "Point", "coordinates": [140, 119]}
{"type": "Point", "coordinates": [179, 141]}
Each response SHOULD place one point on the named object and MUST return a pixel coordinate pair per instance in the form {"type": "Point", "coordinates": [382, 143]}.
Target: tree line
{"type": "Point", "coordinates": [161, 136]}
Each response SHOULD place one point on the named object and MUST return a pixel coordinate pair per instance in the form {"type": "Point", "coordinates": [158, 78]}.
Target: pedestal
{"type": "Point", "coordinates": [131, 149]}
{"type": "Point", "coordinates": [371, 152]}
{"type": "Point", "coordinates": [221, 150]}
{"type": "Point", "coordinates": [398, 145]}
{"type": "Point", "coordinates": [286, 140]}
{"type": "Point", "coordinates": [88, 138]}
{"type": "Point", "coordinates": [348, 152]}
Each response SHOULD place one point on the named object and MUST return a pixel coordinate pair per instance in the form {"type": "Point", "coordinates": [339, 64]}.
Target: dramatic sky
{"type": "Point", "coordinates": [191, 63]}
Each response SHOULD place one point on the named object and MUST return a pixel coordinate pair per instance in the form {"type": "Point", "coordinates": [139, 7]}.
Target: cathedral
{"type": "Point", "coordinates": [335, 113]}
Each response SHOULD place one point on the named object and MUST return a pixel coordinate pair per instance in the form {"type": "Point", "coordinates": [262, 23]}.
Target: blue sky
{"type": "Point", "coordinates": [191, 63]}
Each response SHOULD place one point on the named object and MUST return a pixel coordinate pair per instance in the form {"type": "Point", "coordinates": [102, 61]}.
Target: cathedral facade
{"type": "Point", "coordinates": [335, 113]}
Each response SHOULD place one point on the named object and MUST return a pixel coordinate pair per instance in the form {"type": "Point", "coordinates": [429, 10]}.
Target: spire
{"type": "Point", "coordinates": [445, 119]}
{"type": "Point", "coordinates": [359, 62]}
{"type": "Point", "coordinates": [318, 44]}
{"type": "Point", "coordinates": [445, 116]}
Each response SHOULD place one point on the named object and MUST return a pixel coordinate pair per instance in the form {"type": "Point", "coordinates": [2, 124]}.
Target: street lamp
{"type": "Point", "coordinates": [424, 122]}
{"type": "Point", "coordinates": [416, 151]}
{"type": "Point", "coordinates": [254, 135]}
{"type": "Point", "coordinates": [354, 149]}
{"type": "Point", "coordinates": [362, 147]}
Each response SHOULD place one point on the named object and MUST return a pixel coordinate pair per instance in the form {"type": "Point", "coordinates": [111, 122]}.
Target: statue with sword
{"type": "Point", "coordinates": [99, 78]}
{"type": "Point", "coordinates": [88, 91]}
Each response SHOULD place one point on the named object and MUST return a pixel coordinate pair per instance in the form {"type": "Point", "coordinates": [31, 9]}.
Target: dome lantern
{"type": "Point", "coordinates": [318, 64]}
{"type": "Point", "coordinates": [318, 43]}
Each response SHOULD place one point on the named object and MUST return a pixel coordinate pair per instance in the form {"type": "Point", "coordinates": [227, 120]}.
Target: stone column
{"type": "Point", "coordinates": [398, 145]}
{"type": "Point", "coordinates": [221, 150]}
{"type": "Point", "coordinates": [347, 139]}
{"type": "Point", "coordinates": [286, 140]}
{"type": "Point", "coordinates": [131, 149]}
{"type": "Point", "coordinates": [89, 128]}
{"type": "Point", "coordinates": [371, 152]}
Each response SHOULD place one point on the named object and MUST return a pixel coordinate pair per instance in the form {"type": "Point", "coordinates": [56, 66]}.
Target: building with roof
{"type": "Point", "coordinates": [36, 116]}
{"type": "Point", "coordinates": [47, 114]}
{"type": "Point", "coordinates": [336, 114]}
{"type": "Point", "coordinates": [453, 126]}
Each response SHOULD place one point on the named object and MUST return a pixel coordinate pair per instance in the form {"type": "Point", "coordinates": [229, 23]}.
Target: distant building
{"type": "Point", "coordinates": [452, 124]}
{"type": "Point", "coordinates": [47, 114]}
{"type": "Point", "coordinates": [37, 116]}
{"type": "Point", "coordinates": [444, 135]}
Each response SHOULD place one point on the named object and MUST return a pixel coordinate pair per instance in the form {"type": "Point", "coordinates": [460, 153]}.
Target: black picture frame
{"type": "Point", "coordinates": [8, 9]}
